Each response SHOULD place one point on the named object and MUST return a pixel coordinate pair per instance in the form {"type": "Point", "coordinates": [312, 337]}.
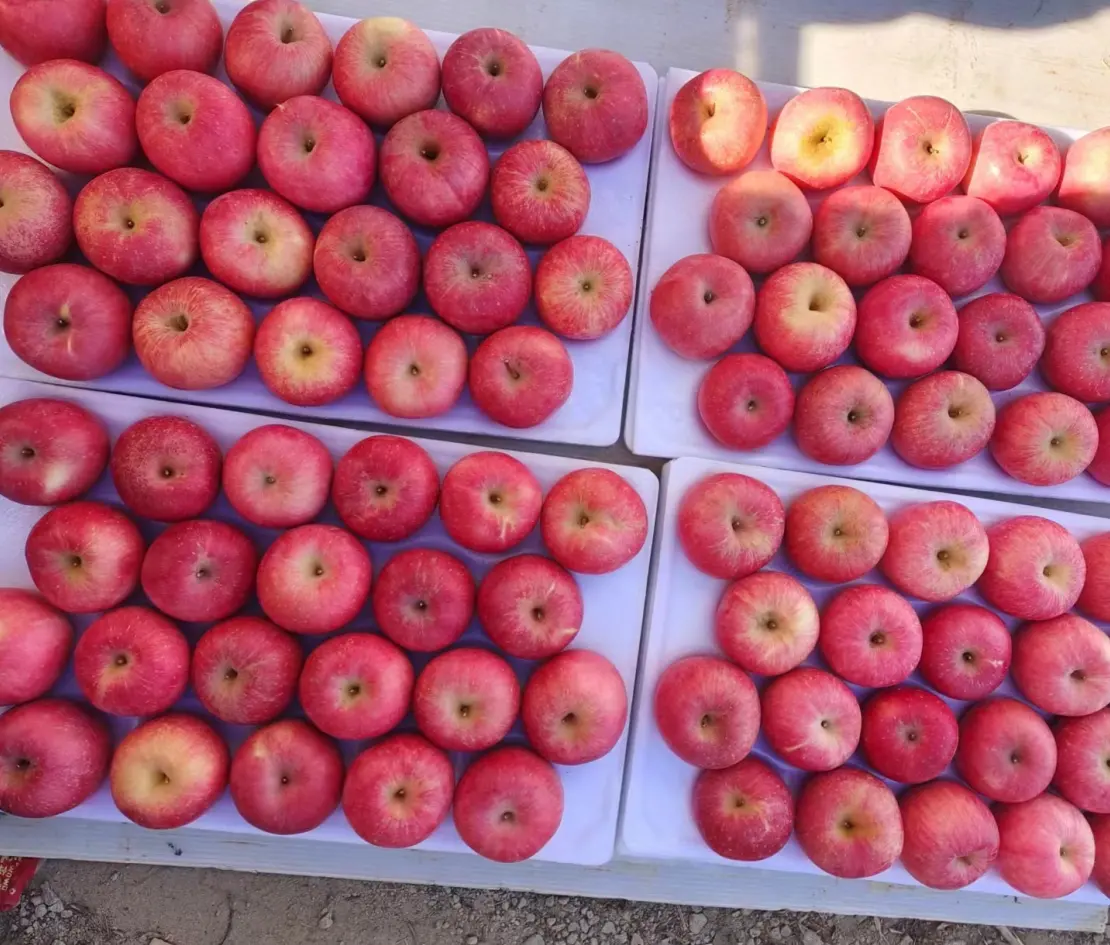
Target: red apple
{"type": "Point", "coordinates": [1046, 847]}
{"type": "Point", "coordinates": [493, 80]}
{"type": "Point", "coordinates": [466, 700]}
{"type": "Point", "coordinates": [539, 192]}
{"type": "Point", "coordinates": [35, 640]}
{"type": "Point", "coordinates": [1083, 761]}
{"type": "Point", "coordinates": [822, 138]}
{"type": "Point", "coordinates": [155, 38]}
{"type": "Point", "coordinates": [1100, 827]}
{"type": "Point", "coordinates": [745, 401]}
{"type": "Point", "coordinates": [423, 599]}
{"type": "Point", "coordinates": [33, 31]}
{"type": "Point", "coordinates": [702, 305]}
{"type": "Point", "coordinates": [53, 755]}
{"type": "Point", "coordinates": [584, 288]}
{"type": "Point", "coordinates": [277, 476]}
{"type": "Point", "coordinates": [132, 661]}
{"type": "Point", "coordinates": [84, 557]}
{"type": "Point", "coordinates": [862, 233]}
{"type": "Point", "coordinates": [936, 550]}
{"type": "Point", "coordinates": [804, 317]}
{"type": "Point", "coordinates": [1083, 186]}
{"type": "Point", "coordinates": [906, 326]}
{"type": "Point", "coordinates": [36, 226]}
{"type": "Point", "coordinates": [51, 451]}
{"type": "Point", "coordinates": [1051, 254]}
{"type": "Point", "coordinates": [415, 367]}
{"type": "Point", "coordinates": [835, 533]}
{"type": "Point", "coordinates": [1000, 340]}
{"type": "Point", "coordinates": [490, 502]}
{"type": "Point", "coordinates": [166, 468]}
{"type": "Point", "coordinates": [707, 711]}
{"type": "Point", "coordinates": [385, 488]}
{"type": "Point", "coordinates": [870, 636]}
{"type": "Point", "coordinates": [811, 720]}
{"type": "Point", "coordinates": [766, 623]}
{"type": "Point", "coordinates": [843, 416]}
{"type": "Point", "coordinates": [744, 812]}
{"type": "Point", "coordinates": [958, 242]}
{"type": "Point", "coordinates": [717, 122]}
{"type": "Point", "coordinates": [1062, 665]}
{"type": "Point", "coordinates": [908, 735]}
{"type": "Point", "coordinates": [1044, 439]}
{"type": "Point", "coordinates": [68, 321]}
{"type": "Point", "coordinates": [520, 375]}
{"type": "Point", "coordinates": [951, 839]}
{"type": "Point", "coordinates": [1076, 358]}
{"type": "Point", "coordinates": [1099, 469]}
{"type": "Point", "coordinates": [1094, 600]}
{"type": "Point", "coordinates": [1014, 166]}
{"type": "Point", "coordinates": [922, 148]}
{"type": "Point", "coordinates": [1006, 750]}
{"type": "Point", "coordinates": [529, 606]}
{"type": "Point", "coordinates": [286, 778]}
{"type": "Point", "coordinates": [760, 220]}
{"type": "Point", "coordinates": [965, 652]}
{"type": "Point", "coordinates": [1035, 570]}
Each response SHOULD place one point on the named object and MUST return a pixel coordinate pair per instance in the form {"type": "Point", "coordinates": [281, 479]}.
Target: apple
{"type": "Point", "coordinates": [490, 502]}
{"type": "Point", "coordinates": [906, 326]}
{"type": "Point", "coordinates": [822, 138]}
{"type": "Point", "coordinates": [717, 122]}
{"type": "Point", "coordinates": [574, 708]}
{"type": "Point", "coordinates": [584, 288]}
{"type": "Point", "coordinates": [51, 451]}
{"type": "Point", "coordinates": [744, 812]}
{"type": "Point", "coordinates": [760, 220]}
{"type": "Point", "coordinates": [702, 305]}
{"type": "Point", "coordinates": [862, 233]}
{"type": "Point", "coordinates": [1000, 340]}
{"type": "Point", "coordinates": [1035, 570]}
{"type": "Point", "coordinates": [1083, 761]}
{"type": "Point", "coordinates": [965, 652]}
{"type": "Point", "coordinates": [275, 50]}
{"type": "Point", "coordinates": [835, 533]}
{"type": "Point", "coordinates": [415, 367]}
{"type": "Point", "coordinates": [1094, 599]}
{"type": "Point", "coordinates": [385, 488]}
{"type": "Point", "coordinates": [466, 700]}
{"type": "Point", "coordinates": [74, 116]}
{"type": "Point", "coordinates": [539, 192]}
{"type": "Point", "coordinates": [811, 720]}
{"type": "Point", "coordinates": [68, 321]}
{"type": "Point", "coordinates": [707, 711]}
{"type": "Point", "coordinates": [529, 606]}
{"type": "Point", "coordinates": [36, 225]}
{"type": "Point", "coordinates": [1062, 665]}
{"type": "Point", "coordinates": [84, 557]}
{"type": "Point", "coordinates": [245, 670]}
{"type": "Point", "coordinates": [1014, 166]}
{"type": "Point", "coordinates": [316, 154]}
{"type": "Point", "coordinates": [951, 838]}
{"type": "Point", "coordinates": [256, 243]}
{"type": "Point", "coordinates": [922, 148]}
{"type": "Point", "coordinates": [730, 525]}
{"type": "Point", "coordinates": [595, 105]}
{"type": "Point", "coordinates": [35, 640]}
{"type": "Point", "coordinates": [286, 778]}
{"type": "Point", "coordinates": [1100, 464]}
{"type": "Point", "coordinates": [908, 734]}
{"type": "Point", "coordinates": [847, 822]}
{"type": "Point", "coordinates": [1046, 847]}
{"type": "Point", "coordinates": [593, 521]}
{"type": "Point", "coordinates": [314, 579]}
{"type": "Point", "coordinates": [356, 685]}
{"type": "Point", "coordinates": [386, 69]}
{"type": "Point", "coordinates": [508, 805]}
{"type": "Point", "coordinates": [398, 791]}
{"type": "Point", "coordinates": [1083, 185]}
{"type": "Point", "coordinates": [1006, 751]}
{"type": "Point", "coordinates": [434, 168]}
{"type": "Point", "coordinates": [1051, 254]}
{"type": "Point", "coordinates": [367, 263]}
{"type": "Point", "coordinates": [169, 771]}
{"type": "Point", "coordinates": [307, 352]}
{"type": "Point", "coordinates": [936, 550]}
{"type": "Point", "coordinates": [33, 31]}
{"type": "Point", "coordinates": [745, 401]}
{"type": "Point", "coordinates": [154, 38]}
{"type": "Point", "coordinates": [53, 756]}
{"type": "Point", "coordinates": [958, 242]}
{"type": "Point", "coordinates": [843, 416]}
{"type": "Point", "coordinates": [1100, 827]}
{"type": "Point", "coordinates": [1044, 438]}
{"type": "Point", "coordinates": [423, 599]}
{"type": "Point", "coordinates": [520, 375]}
{"type": "Point", "coordinates": [193, 334]}
{"type": "Point", "coordinates": [804, 316]}
{"type": "Point", "coordinates": [166, 468]}
{"type": "Point", "coordinates": [1076, 358]}
{"type": "Point", "coordinates": [136, 226]}
{"type": "Point", "coordinates": [870, 636]}
{"type": "Point", "coordinates": [493, 80]}
{"type": "Point", "coordinates": [477, 277]}
{"type": "Point", "coordinates": [132, 661]}
{"type": "Point", "coordinates": [766, 623]}
{"type": "Point", "coordinates": [199, 571]}
{"type": "Point", "coordinates": [192, 127]}
{"type": "Point", "coordinates": [277, 476]}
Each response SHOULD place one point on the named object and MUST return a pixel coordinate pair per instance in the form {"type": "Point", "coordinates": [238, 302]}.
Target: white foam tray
{"type": "Point", "coordinates": [592, 414]}
{"type": "Point", "coordinates": [656, 820]}
{"type": "Point", "coordinates": [662, 418]}
{"type": "Point", "coordinates": [614, 608]}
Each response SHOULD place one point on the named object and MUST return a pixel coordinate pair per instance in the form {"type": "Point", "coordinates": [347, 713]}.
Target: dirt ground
{"type": "Point", "coordinates": [104, 904]}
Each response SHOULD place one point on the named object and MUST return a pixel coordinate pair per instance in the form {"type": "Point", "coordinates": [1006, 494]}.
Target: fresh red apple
{"type": "Point", "coordinates": [520, 375]}
{"type": "Point", "coordinates": [1006, 750]}
{"type": "Point", "coordinates": [584, 288]}
{"type": "Point", "coordinates": [951, 839]}
{"type": "Point", "coordinates": [1062, 665]}
{"type": "Point", "coordinates": [810, 719]}
{"type": "Point", "coordinates": [1035, 570]}
{"type": "Point", "coordinates": [1000, 340]}
{"type": "Point", "coordinates": [415, 367]}
{"type": "Point", "coordinates": [717, 123]}
{"type": "Point", "coordinates": [1044, 439]}
{"type": "Point", "coordinates": [843, 416]}
{"type": "Point", "coordinates": [154, 38]}
{"type": "Point", "coordinates": [936, 550]}
{"type": "Point", "coordinates": [822, 138]}
{"type": "Point", "coordinates": [1099, 469]}
{"type": "Point", "coordinates": [966, 651]}
{"type": "Point", "coordinates": [1046, 847]}
{"type": "Point", "coordinates": [922, 148]}
{"type": "Point", "coordinates": [1094, 599]}
{"type": "Point", "coordinates": [870, 636]}
{"type": "Point", "coordinates": [1076, 358]}
{"type": "Point", "coordinates": [1100, 827]}
{"type": "Point", "coordinates": [745, 401]}
{"type": "Point", "coordinates": [958, 242]}
{"type": "Point", "coordinates": [35, 640]}
{"type": "Point", "coordinates": [529, 606]}
{"type": "Point", "coordinates": [835, 533]}
{"type": "Point", "coordinates": [805, 316]}
{"type": "Point", "coordinates": [744, 812]}
{"type": "Point", "coordinates": [33, 31]}
{"type": "Point", "coordinates": [702, 305]}
{"type": "Point", "coordinates": [466, 699]}
{"type": "Point", "coordinates": [493, 80]}
{"type": "Point", "coordinates": [908, 734]}
{"type": "Point", "coordinates": [1051, 254]}
{"type": "Point", "coordinates": [1083, 761]}
{"type": "Point", "coordinates": [766, 623]}
{"type": "Point", "coordinates": [1014, 166]}
{"type": "Point", "coordinates": [906, 326]}
{"type": "Point", "coordinates": [862, 233]}
{"type": "Point", "coordinates": [36, 226]}
{"type": "Point", "coordinates": [760, 220]}
{"type": "Point", "coordinates": [1083, 186]}
{"type": "Point", "coordinates": [539, 192]}
{"type": "Point", "coordinates": [490, 502]}
{"type": "Point", "coordinates": [423, 599]}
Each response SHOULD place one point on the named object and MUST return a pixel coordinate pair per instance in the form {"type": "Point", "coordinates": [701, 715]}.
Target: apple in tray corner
{"type": "Point", "coordinates": [717, 122]}
{"type": "Point", "coordinates": [35, 640]}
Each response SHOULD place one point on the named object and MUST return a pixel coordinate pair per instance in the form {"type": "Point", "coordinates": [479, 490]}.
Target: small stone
{"type": "Point", "coordinates": [48, 895]}
{"type": "Point", "coordinates": [529, 917]}
{"type": "Point", "coordinates": [622, 938]}
{"type": "Point", "coordinates": [637, 939]}
{"type": "Point", "coordinates": [697, 922]}
{"type": "Point", "coordinates": [472, 940]}
{"type": "Point", "coordinates": [550, 921]}
{"type": "Point", "coordinates": [536, 939]}
{"type": "Point", "coordinates": [67, 913]}
{"type": "Point", "coordinates": [58, 941]}
{"type": "Point", "coordinates": [906, 940]}
{"type": "Point", "coordinates": [608, 929]}
{"type": "Point", "coordinates": [572, 938]}
{"type": "Point", "coordinates": [40, 910]}
{"type": "Point", "coordinates": [113, 877]}
{"type": "Point", "coordinates": [55, 907]}
{"type": "Point", "coordinates": [809, 937]}
{"type": "Point", "coordinates": [24, 922]}
{"type": "Point", "coordinates": [36, 900]}
{"type": "Point", "coordinates": [326, 921]}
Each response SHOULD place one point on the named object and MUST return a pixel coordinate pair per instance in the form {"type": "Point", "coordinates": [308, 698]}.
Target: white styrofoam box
{"type": "Point", "coordinates": [662, 417]}
{"type": "Point", "coordinates": [657, 822]}
{"type": "Point", "coordinates": [614, 608]}
{"type": "Point", "coordinates": [592, 414]}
